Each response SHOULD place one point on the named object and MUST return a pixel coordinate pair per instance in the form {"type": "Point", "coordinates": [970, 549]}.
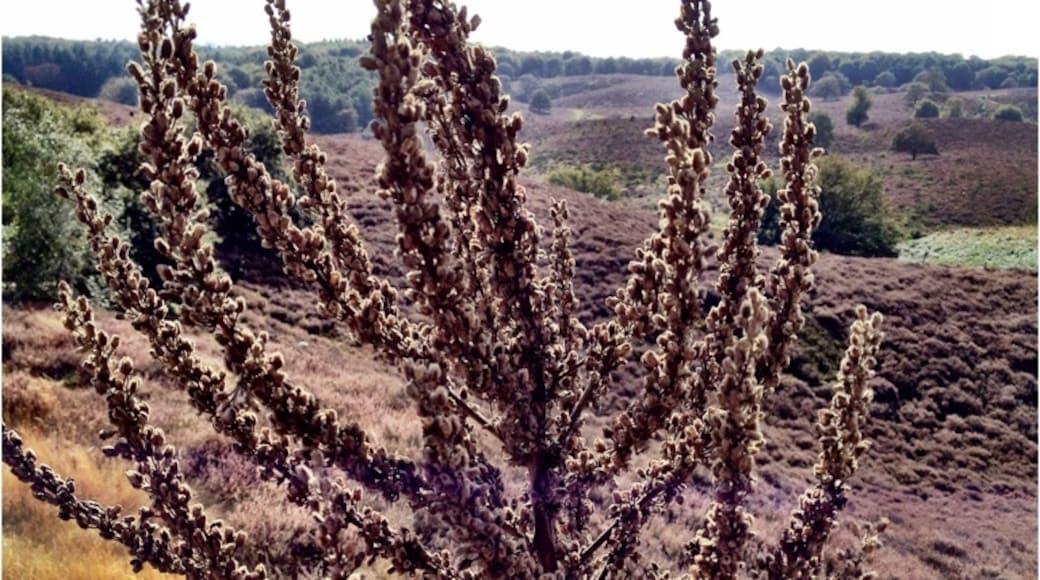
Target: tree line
{"type": "Point", "coordinates": [338, 90]}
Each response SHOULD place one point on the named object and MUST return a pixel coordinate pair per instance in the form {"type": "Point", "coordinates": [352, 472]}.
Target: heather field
{"type": "Point", "coordinates": [953, 426]}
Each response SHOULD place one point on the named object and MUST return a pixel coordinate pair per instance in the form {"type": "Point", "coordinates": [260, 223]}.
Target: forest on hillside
{"type": "Point", "coordinates": [337, 89]}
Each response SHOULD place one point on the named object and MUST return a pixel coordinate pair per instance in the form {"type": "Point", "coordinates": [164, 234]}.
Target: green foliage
{"type": "Point", "coordinates": [953, 108]}
{"type": "Point", "coordinates": [857, 220]}
{"type": "Point", "coordinates": [1008, 113]}
{"type": "Point", "coordinates": [824, 128]}
{"type": "Point", "coordinates": [602, 183]}
{"type": "Point", "coordinates": [540, 102]}
{"type": "Point", "coordinates": [885, 79]}
{"type": "Point", "coordinates": [933, 78]}
{"type": "Point", "coordinates": [118, 168]}
{"type": "Point", "coordinates": [991, 77]}
{"type": "Point", "coordinates": [121, 90]}
{"type": "Point", "coordinates": [915, 139]}
{"type": "Point", "coordinates": [831, 86]}
{"type": "Point", "coordinates": [926, 109]}
{"type": "Point", "coordinates": [859, 105]}
{"type": "Point", "coordinates": [915, 92]}
{"type": "Point", "coordinates": [42, 243]}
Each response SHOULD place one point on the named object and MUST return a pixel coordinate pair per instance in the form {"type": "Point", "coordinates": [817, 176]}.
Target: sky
{"type": "Point", "coordinates": [635, 28]}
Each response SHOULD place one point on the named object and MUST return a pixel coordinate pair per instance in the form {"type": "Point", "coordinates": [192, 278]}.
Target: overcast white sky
{"type": "Point", "coordinates": [636, 28]}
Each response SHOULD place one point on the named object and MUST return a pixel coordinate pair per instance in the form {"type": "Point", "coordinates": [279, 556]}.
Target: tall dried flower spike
{"type": "Point", "coordinates": [497, 362]}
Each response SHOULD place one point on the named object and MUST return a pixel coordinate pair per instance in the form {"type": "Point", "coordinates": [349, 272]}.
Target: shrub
{"type": "Point", "coordinates": [914, 92]}
{"type": "Point", "coordinates": [856, 113]}
{"type": "Point", "coordinates": [119, 90]}
{"type": "Point", "coordinates": [830, 87]}
{"type": "Point", "coordinates": [914, 139]}
{"type": "Point", "coordinates": [824, 128]}
{"type": "Point", "coordinates": [926, 109]}
{"type": "Point", "coordinates": [601, 183]}
{"type": "Point", "coordinates": [41, 243]}
{"type": "Point", "coordinates": [495, 347]}
{"type": "Point", "coordinates": [885, 79]}
{"type": "Point", "coordinates": [857, 220]}
{"type": "Point", "coordinates": [540, 102]}
{"type": "Point", "coordinates": [1008, 113]}
{"type": "Point", "coordinates": [953, 108]}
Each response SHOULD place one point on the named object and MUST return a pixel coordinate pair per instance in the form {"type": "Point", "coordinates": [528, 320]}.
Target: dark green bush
{"type": "Point", "coordinates": [1008, 113]}
{"type": "Point", "coordinates": [859, 105]}
{"type": "Point", "coordinates": [915, 139]}
{"type": "Point", "coordinates": [857, 220]}
{"type": "Point", "coordinates": [540, 102]}
{"type": "Point", "coordinates": [926, 109]}
{"type": "Point", "coordinates": [824, 128]}
{"type": "Point", "coordinates": [121, 90]}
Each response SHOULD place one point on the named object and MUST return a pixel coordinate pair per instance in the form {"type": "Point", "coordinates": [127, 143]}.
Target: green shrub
{"type": "Point", "coordinates": [856, 113]}
{"type": "Point", "coordinates": [1008, 113]}
{"type": "Point", "coordinates": [601, 183]}
{"type": "Point", "coordinates": [953, 108]}
{"type": "Point", "coordinates": [42, 243]}
{"type": "Point", "coordinates": [915, 92]}
{"type": "Point", "coordinates": [926, 109]}
{"type": "Point", "coordinates": [885, 79]}
{"type": "Point", "coordinates": [540, 102]}
{"type": "Point", "coordinates": [857, 220]}
{"type": "Point", "coordinates": [915, 139]}
{"type": "Point", "coordinates": [824, 128]}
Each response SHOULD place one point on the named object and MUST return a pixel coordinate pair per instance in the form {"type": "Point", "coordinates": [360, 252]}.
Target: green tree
{"type": "Point", "coordinates": [857, 219]}
{"type": "Point", "coordinates": [926, 109]}
{"type": "Point", "coordinates": [824, 128]}
{"type": "Point", "coordinates": [41, 242]}
{"type": "Point", "coordinates": [540, 102]}
{"type": "Point", "coordinates": [934, 78]}
{"type": "Point", "coordinates": [915, 139]}
{"type": "Point", "coordinates": [885, 79]}
{"type": "Point", "coordinates": [831, 86]}
{"type": "Point", "coordinates": [859, 105]}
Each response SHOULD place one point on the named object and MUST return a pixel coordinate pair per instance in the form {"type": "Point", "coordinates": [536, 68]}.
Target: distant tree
{"type": "Point", "coordinates": [885, 79]}
{"type": "Point", "coordinates": [606, 66]}
{"type": "Point", "coordinates": [540, 102]}
{"type": "Point", "coordinates": [991, 77]}
{"type": "Point", "coordinates": [915, 91]}
{"type": "Point", "coordinates": [960, 76]}
{"type": "Point", "coordinates": [1008, 113]}
{"type": "Point", "coordinates": [824, 128]}
{"type": "Point", "coordinates": [953, 108]}
{"type": "Point", "coordinates": [926, 109]}
{"type": "Point", "coordinates": [859, 105]}
{"type": "Point", "coordinates": [820, 64]}
{"type": "Point", "coordinates": [347, 119]}
{"type": "Point", "coordinates": [915, 139]}
{"type": "Point", "coordinates": [553, 67]}
{"type": "Point", "coordinates": [827, 88]}
{"type": "Point", "coordinates": [578, 66]}
{"type": "Point", "coordinates": [933, 78]}
{"type": "Point", "coordinates": [868, 72]}
{"type": "Point", "coordinates": [532, 65]}
{"type": "Point", "coordinates": [1009, 83]}
{"type": "Point", "coordinates": [121, 90]}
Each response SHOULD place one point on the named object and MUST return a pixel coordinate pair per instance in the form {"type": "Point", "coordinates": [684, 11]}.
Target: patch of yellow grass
{"type": "Point", "coordinates": [39, 546]}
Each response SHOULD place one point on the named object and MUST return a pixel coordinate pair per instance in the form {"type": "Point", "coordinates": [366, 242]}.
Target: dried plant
{"type": "Point", "coordinates": [495, 352]}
